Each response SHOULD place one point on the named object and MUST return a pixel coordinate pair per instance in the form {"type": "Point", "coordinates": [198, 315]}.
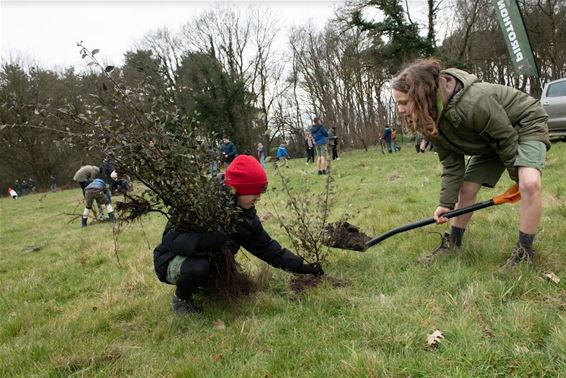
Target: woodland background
{"type": "Point", "coordinates": [225, 71]}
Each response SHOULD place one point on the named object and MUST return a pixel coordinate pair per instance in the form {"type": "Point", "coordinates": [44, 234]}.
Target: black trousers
{"type": "Point", "coordinates": [310, 154]}
{"type": "Point", "coordinates": [194, 273]}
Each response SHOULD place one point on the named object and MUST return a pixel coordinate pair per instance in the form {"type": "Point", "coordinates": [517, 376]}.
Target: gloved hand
{"type": "Point", "coordinates": [513, 173]}
{"type": "Point", "coordinates": [212, 240]}
{"type": "Point", "coordinates": [315, 269]}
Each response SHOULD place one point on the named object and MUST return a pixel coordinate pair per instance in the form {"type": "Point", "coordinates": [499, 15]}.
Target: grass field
{"type": "Point", "coordinates": [74, 305]}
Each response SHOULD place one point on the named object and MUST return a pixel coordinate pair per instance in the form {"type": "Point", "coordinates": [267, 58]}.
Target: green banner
{"type": "Point", "coordinates": [515, 35]}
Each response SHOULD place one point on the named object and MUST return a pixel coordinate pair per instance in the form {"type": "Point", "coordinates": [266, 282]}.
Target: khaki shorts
{"type": "Point", "coordinates": [488, 170]}
{"type": "Point", "coordinates": [91, 196]}
{"type": "Point", "coordinates": [321, 150]}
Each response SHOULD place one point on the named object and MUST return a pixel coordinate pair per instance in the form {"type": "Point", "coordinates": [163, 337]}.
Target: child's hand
{"type": "Point", "coordinates": [315, 269]}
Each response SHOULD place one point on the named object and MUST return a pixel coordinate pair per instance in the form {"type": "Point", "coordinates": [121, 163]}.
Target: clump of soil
{"type": "Point", "coordinates": [345, 236]}
{"type": "Point", "coordinates": [299, 283]}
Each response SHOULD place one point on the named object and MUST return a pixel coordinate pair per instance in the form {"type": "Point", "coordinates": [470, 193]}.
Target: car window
{"type": "Point", "coordinates": [556, 89]}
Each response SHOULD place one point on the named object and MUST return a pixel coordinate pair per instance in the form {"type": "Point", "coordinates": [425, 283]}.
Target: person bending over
{"type": "Point", "coordinates": [500, 127]}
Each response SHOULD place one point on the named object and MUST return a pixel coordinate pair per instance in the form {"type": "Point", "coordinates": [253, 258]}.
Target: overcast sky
{"type": "Point", "coordinates": [46, 31]}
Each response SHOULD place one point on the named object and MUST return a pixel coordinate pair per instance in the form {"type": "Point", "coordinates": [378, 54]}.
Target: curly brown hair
{"type": "Point", "coordinates": [419, 80]}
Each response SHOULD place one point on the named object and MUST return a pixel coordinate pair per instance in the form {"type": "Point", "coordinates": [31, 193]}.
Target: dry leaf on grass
{"type": "Point", "coordinates": [552, 277]}
{"type": "Point", "coordinates": [218, 324]}
{"type": "Point", "coordinates": [434, 338]}
{"type": "Point", "coordinates": [217, 357]}
{"type": "Point", "coordinates": [394, 177]}
{"type": "Point", "coordinates": [521, 350]}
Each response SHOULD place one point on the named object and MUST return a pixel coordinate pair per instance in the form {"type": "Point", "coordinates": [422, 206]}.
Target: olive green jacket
{"type": "Point", "coordinates": [483, 119]}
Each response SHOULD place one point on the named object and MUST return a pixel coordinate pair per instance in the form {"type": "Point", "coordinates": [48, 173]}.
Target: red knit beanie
{"type": "Point", "coordinates": [246, 175]}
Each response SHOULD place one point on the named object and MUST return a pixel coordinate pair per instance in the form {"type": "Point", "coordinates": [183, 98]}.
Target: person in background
{"type": "Point", "coordinates": [214, 158]}
{"type": "Point", "coordinates": [381, 142]}
{"type": "Point", "coordinates": [85, 174]}
{"type": "Point", "coordinates": [18, 187]}
{"type": "Point", "coordinates": [387, 138]}
{"type": "Point", "coordinates": [53, 183]}
{"type": "Point", "coordinates": [333, 139]}
{"type": "Point", "coordinates": [31, 183]}
{"type": "Point", "coordinates": [500, 127]}
{"type": "Point", "coordinates": [261, 154]}
{"type": "Point", "coordinates": [309, 146]}
{"type": "Point", "coordinates": [121, 184]}
{"type": "Point", "coordinates": [282, 156]}
{"type": "Point", "coordinates": [181, 258]}
{"type": "Point", "coordinates": [394, 147]}
{"type": "Point", "coordinates": [106, 169]}
{"type": "Point", "coordinates": [228, 151]}
{"type": "Point", "coordinates": [12, 193]}
{"type": "Point", "coordinates": [320, 136]}
{"type": "Point", "coordinates": [418, 139]}
{"type": "Point", "coordinates": [95, 191]}
{"type": "Point", "coordinates": [25, 188]}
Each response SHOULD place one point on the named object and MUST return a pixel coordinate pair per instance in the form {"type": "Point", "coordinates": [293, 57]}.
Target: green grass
{"type": "Point", "coordinates": [69, 308]}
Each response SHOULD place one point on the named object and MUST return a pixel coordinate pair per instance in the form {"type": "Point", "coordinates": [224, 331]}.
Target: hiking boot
{"type": "Point", "coordinates": [520, 253]}
{"type": "Point", "coordinates": [183, 307]}
{"type": "Point", "coordinates": [446, 245]}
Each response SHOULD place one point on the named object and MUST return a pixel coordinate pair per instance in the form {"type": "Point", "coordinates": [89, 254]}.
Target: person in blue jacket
{"type": "Point", "coordinates": [282, 155]}
{"type": "Point", "coordinates": [96, 190]}
{"type": "Point", "coordinates": [181, 259]}
{"type": "Point", "coordinates": [320, 136]}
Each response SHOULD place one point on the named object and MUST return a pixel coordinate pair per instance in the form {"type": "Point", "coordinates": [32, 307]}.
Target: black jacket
{"type": "Point", "coordinates": [249, 234]}
{"type": "Point", "coordinates": [228, 151]}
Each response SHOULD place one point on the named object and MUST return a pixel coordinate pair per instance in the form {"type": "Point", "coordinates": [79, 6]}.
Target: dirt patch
{"type": "Point", "coordinates": [299, 283]}
{"type": "Point", "coordinates": [345, 236]}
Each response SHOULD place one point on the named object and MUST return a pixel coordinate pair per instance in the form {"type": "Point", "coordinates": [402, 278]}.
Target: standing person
{"type": "Point", "coordinates": [261, 154]}
{"type": "Point", "coordinates": [282, 156]}
{"type": "Point", "coordinates": [320, 136]}
{"type": "Point", "coordinates": [309, 146]}
{"type": "Point", "coordinates": [394, 146]}
{"type": "Point", "coordinates": [25, 187]}
{"type": "Point", "coordinates": [18, 187]}
{"type": "Point", "coordinates": [228, 150]}
{"type": "Point", "coordinates": [381, 142]}
{"type": "Point", "coordinates": [31, 185]}
{"type": "Point", "coordinates": [334, 144]}
{"type": "Point", "coordinates": [214, 160]}
{"type": "Point", "coordinates": [106, 169]}
{"type": "Point", "coordinates": [85, 175]}
{"type": "Point", "coordinates": [181, 258]}
{"type": "Point", "coordinates": [498, 126]}
{"type": "Point", "coordinates": [96, 191]}
{"type": "Point", "coordinates": [418, 139]}
{"type": "Point", "coordinates": [53, 183]}
{"type": "Point", "coordinates": [387, 137]}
